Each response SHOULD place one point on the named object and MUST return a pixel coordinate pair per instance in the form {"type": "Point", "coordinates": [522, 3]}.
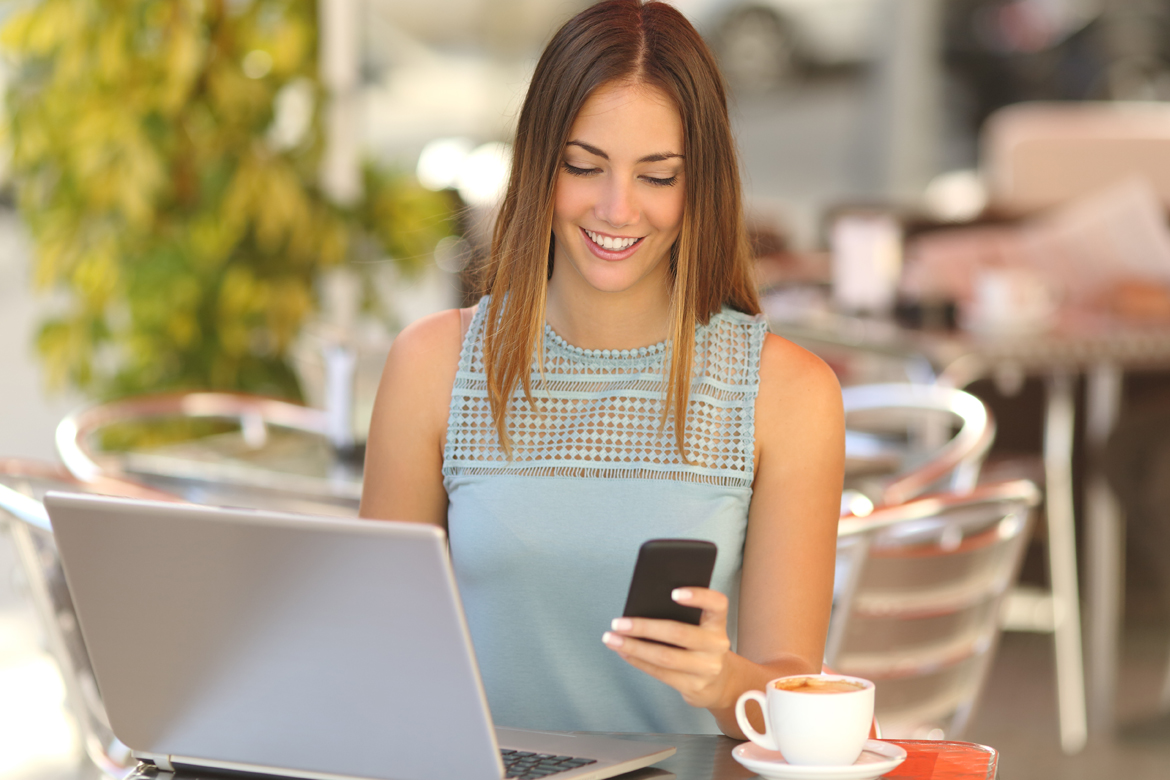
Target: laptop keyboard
{"type": "Point", "coordinates": [530, 766]}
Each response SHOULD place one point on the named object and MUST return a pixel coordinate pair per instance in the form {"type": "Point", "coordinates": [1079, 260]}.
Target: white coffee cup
{"type": "Point", "coordinates": [1011, 300]}
{"type": "Point", "coordinates": [808, 722]}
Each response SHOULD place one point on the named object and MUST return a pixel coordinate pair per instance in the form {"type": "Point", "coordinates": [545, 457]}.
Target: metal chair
{"type": "Point", "coordinates": [23, 484]}
{"type": "Point", "coordinates": [899, 442]}
{"type": "Point", "coordinates": [254, 451]}
{"type": "Point", "coordinates": [920, 610]}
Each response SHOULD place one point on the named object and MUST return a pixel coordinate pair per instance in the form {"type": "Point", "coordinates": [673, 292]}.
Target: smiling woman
{"type": "Point", "coordinates": [617, 384]}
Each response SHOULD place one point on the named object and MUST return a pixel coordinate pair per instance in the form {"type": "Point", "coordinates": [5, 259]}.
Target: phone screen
{"type": "Point", "coordinates": [663, 565]}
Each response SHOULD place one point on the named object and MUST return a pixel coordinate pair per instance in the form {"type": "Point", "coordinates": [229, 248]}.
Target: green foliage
{"type": "Point", "coordinates": [129, 435]}
{"type": "Point", "coordinates": [185, 234]}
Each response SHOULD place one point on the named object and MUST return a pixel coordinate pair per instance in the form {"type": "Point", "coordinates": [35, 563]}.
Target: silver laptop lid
{"type": "Point", "coordinates": [313, 646]}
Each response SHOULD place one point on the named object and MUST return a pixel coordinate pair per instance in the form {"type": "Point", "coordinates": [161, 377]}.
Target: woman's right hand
{"type": "Point", "coordinates": [697, 664]}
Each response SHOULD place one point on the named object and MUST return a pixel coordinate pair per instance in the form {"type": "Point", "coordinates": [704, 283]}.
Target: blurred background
{"type": "Point", "coordinates": [256, 195]}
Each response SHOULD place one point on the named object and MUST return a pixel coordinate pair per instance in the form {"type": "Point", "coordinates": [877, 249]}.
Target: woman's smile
{"type": "Point", "coordinates": [609, 247]}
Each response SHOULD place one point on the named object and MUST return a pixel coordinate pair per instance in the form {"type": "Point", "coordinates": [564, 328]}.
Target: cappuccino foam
{"type": "Point", "coordinates": [817, 685]}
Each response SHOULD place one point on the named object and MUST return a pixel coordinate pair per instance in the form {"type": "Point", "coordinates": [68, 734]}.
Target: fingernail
{"type": "Point", "coordinates": [621, 624]}
{"type": "Point", "coordinates": [613, 640]}
{"type": "Point", "coordinates": [681, 594]}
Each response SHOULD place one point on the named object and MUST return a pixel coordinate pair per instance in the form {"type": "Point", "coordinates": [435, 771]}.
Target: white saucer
{"type": "Point", "coordinates": [876, 759]}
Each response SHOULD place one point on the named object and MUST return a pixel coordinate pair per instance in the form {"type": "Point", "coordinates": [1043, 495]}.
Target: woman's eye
{"type": "Point", "coordinates": [657, 182]}
{"type": "Point", "coordinates": [575, 171]}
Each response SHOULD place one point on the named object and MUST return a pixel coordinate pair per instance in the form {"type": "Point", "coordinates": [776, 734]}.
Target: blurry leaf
{"type": "Point", "coordinates": [280, 207]}
{"type": "Point", "coordinates": [289, 48]}
{"type": "Point", "coordinates": [96, 276]}
{"type": "Point", "coordinates": [56, 255]}
{"type": "Point", "coordinates": [112, 54]}
{"type": "Point", "coordinates": [40, 29]}
{"type": "Point", "coordinates": [185, 55]}
{"type": "Point", "coordinates": [211, 240]}
{"type": "Point", "coordinates": [291, 301]}
{"type": "Point", "coordinates": [334, 242]}
{"type": "Point", "coordinates": [407, 219]}
{"type": "Point", "coordinates": [64, 345]}
{"type": "Point", "coordinates": [127, 435]}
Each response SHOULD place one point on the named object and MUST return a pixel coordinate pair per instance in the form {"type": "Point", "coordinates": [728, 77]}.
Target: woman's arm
{"type": "Point", "coordinates": [791, 546]}
{"type": "Point", "coordinates": [404, 453]}
{"type": "Point", "coordinates": [789, 553]}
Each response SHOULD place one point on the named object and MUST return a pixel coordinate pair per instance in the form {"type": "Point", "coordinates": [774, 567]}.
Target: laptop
{"type": "Point", "coordinates": [237, 640]}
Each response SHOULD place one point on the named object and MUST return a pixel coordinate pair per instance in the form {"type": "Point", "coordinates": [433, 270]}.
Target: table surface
{"type": "Point", "coordinates": [702, 757]}
{"type": "Point", "coordinates": [708, 757]}
{"type": "Point", "coordinates": [1075, 341]}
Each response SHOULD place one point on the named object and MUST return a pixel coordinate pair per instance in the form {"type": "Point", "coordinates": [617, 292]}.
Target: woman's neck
{"type": "Point", "coordinates": [592, 319]}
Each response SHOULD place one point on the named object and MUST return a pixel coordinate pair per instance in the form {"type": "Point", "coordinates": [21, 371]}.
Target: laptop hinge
{"type": "Point", "coordinates": [163, 762]}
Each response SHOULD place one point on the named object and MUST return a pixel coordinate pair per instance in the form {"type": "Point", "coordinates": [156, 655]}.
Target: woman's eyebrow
{"type": "Point", "coordinates": [657, 157]}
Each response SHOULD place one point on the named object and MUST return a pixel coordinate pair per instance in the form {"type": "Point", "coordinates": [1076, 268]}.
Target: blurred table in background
{"type": "Point", "coordinates": [1101, 349]}
{"type": "Point", "coordinates": [217, 448]}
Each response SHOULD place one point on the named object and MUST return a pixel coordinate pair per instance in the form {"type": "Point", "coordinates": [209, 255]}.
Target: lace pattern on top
{"type": "Point", "coordinates": [598, 413]}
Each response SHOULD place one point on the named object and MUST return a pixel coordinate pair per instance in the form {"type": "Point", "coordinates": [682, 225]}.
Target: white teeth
{"type": "Point", "coordinates": [612, 244]}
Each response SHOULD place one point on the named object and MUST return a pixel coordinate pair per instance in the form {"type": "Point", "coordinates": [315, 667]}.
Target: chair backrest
{"type": "Point", "coordinates": [920, 611]}
{"type": "Point", "coordinates": [257, 451]}
{"type": "Point", "coordinates": [23, 484]}
{"type": "Point", "coordinates": [902, 440]}
{"type": "Point", "coordinates": [1038, 155]}
{"type": "Point", "coordinates": [860, 351]}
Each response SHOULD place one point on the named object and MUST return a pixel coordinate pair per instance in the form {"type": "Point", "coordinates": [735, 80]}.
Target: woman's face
{"type": "Point", "coordinates": [620, 191]}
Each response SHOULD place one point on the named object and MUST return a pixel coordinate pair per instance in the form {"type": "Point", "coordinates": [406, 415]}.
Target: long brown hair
{"type": "Point", "coordinates": [650, 44]}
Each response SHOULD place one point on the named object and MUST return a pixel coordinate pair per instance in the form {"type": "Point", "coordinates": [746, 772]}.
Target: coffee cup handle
{"type": "Point", "coordinates": [763, 740]}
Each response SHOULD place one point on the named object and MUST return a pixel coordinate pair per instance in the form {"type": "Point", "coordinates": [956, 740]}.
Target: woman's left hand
{"type": "Point", "coordinates": [697, 668]}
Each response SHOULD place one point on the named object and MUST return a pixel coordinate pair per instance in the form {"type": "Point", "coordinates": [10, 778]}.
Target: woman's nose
{"type": "Point", "coordinates": [617, 206]}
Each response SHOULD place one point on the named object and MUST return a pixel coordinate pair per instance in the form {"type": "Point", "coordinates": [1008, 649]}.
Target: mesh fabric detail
{"type": "Point", "coordinates": [598, 413]}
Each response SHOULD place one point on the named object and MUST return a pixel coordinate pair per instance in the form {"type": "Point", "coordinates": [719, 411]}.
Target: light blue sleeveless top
{"type": "Point", "coordinates": [544, 543]}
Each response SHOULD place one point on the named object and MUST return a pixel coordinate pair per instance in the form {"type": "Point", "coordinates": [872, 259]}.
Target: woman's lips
{"type": "Point", "coordinates": [609, 254]}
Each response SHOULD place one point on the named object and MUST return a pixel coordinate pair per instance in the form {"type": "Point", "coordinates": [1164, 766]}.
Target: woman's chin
{"type": "Point", "coordinates": [615, 283]}
{"type": "Point", "coordinates": [621, 277]}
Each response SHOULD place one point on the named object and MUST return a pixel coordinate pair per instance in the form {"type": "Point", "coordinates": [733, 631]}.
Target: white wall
{"type": "Point", "coordinates": [28, 414]}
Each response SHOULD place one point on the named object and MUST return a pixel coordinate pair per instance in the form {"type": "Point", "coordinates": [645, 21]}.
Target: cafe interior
{"type": "Point", "coordinates": [959, 205]}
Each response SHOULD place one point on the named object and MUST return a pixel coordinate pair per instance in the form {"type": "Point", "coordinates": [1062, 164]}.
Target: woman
{"type": "Point", "coordinates": [540, 429]}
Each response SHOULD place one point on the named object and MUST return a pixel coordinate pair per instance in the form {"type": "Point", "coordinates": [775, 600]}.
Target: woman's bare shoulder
{"type": "Point", "coordinates": [423, 359]}
{"type": "Point", "coordinates": [791, 372]}
{"type": "Point", "coordinates": [799, 397]}
{"type": "Point", "coordinates": [428, 349]}
{"type": "Point", "coordinates": [434, 336]}
{"type": "Point", "coordinates": [408, 425]}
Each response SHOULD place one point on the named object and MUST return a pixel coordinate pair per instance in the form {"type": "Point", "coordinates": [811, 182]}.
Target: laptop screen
{"type": "Point", "coordinates": [314, 645]}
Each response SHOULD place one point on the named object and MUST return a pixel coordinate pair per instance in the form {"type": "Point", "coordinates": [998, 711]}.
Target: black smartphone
{"type": "Point", "coordinates": [666, 564]}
